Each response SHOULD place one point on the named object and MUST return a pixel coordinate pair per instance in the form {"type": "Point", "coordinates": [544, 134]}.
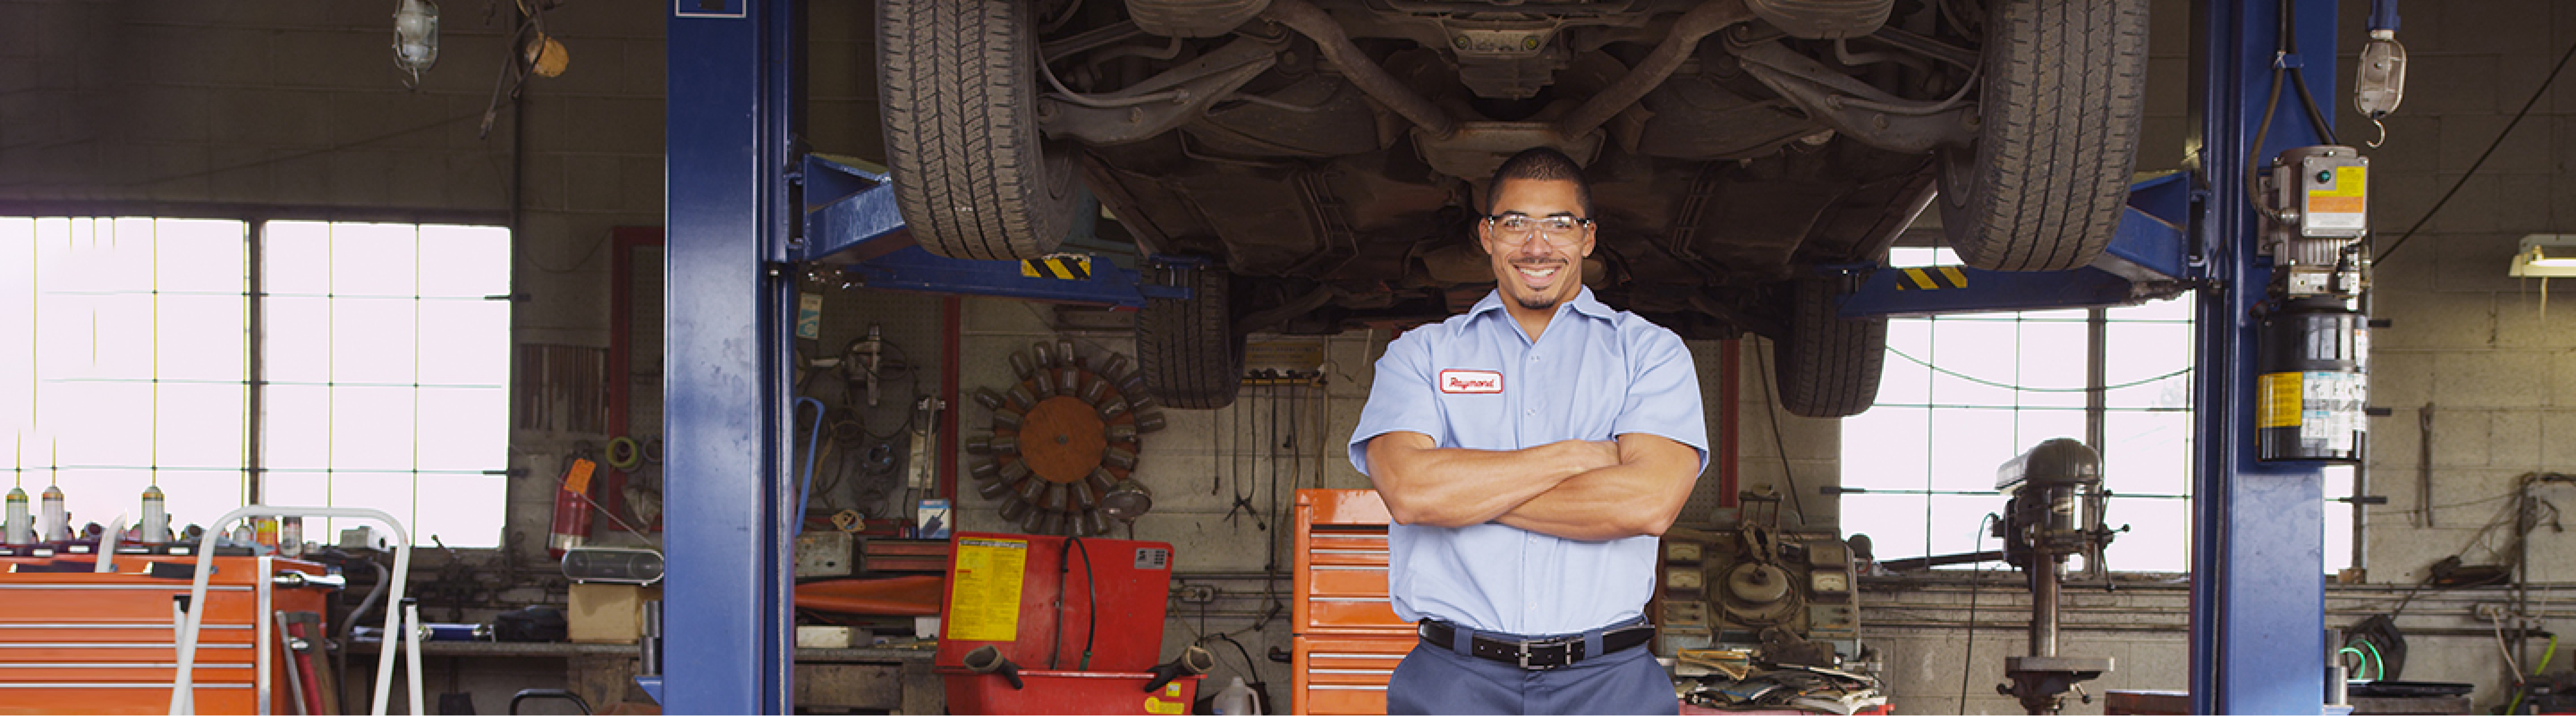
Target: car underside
{"type": "Point", "coordinates": [1322, 162]}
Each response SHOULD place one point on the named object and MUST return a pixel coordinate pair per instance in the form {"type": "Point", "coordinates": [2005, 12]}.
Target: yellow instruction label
{"type": "Point", "coordinates": [2344, 196]}
{"type": "Point", "coordinates": [1165, 708]}
{"type": "Point", "coordinates": [2277, 400]}
{"type": "Point", "coordinates": [984, 604]}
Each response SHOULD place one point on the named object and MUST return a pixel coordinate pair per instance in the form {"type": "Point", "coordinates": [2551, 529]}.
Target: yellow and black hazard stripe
{"type": "Point", "coordinates": [1076, 268]}
{"type": "Point", "coordinates": [1931, 279]}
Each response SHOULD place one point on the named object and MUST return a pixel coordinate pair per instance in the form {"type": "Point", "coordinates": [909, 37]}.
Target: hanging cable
{"type": "Point", "coordinates": [2536, 94]}
{"type": "Point", "coordinates": [1967, 660]}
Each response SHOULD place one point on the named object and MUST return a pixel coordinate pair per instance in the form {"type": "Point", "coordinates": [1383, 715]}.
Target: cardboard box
{"type": "Point", "coordinates": [608, 613]}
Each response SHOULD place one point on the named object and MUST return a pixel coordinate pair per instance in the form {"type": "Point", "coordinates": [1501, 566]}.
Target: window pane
{"type": "Point", "coordinates": [371, 428]}
{"type": "Point", "coordinates": [1894, 523]}
{"type": "Point", "coordinates": [1967, 444]}
{"type": "Point", "coordinates": [2145, 351]}
{"type": "Point", "coordinates": [375, 259]}
{"type": "Point", "coordinates": [1959, 523]}
{"type": "Point", "coordinates": [1903, 381]}
{"type": "Point", "coordinates": [299, 489]}
{"type": "Point", "coordinates": [462, 509]}
{"type": "Point", "coordinates": [295, 258]}
{"type": "Point", "coordinates": [198, 256]}
{"type": "Point", "coordinates": [295, 340]}
{"type": "Point", "coordinates": [2159, 536]}
{"type": "Point", "coordinates": [392, 492]}
{"type": "Point", "coordinates": [1979, 357]}
{"type": "Point", "coordinates": [464, 342]}
{"type": "Point", "coordinates": [1886, 448]}
{"type": "Point", "coordinates": [464, 261]}
{"type": "Point", "coordinates": [371, 340]}
{"type": "Point", "coordinates": [198, 425]}
{"type": "Point", "coordinates": [95, 423]}
{"type": "Point", "coordinates": [2052, 360]}
{"type": "Point", "coordinates": [97, 494]}
{"type": "Point", "coordinates": [464, 428]}
{"type": "Point", "coordinates": [2030, 427]}
{"type": "Point", "coordinates": [295, 432]}
{"type": "Point", "coordinates": [2148, 453]}
{"type": "Point", "coordinates": [201, 338]}
{"type": "Point", "coordinates": [194, 497]}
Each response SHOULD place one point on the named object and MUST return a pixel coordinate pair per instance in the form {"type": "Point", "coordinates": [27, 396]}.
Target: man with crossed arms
{"type": "Point", "coordinates": [1531, 451]}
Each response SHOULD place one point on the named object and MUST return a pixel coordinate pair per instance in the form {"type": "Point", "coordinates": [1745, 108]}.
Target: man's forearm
{"type": "Point", "coordinates": [1457, 487]}
{"type": "Point", "coordinates": [1640, 496]}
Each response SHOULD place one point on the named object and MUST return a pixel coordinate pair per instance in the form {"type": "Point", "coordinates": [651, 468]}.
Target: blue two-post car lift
{"type": "Point", "coordinates": [743, 205]}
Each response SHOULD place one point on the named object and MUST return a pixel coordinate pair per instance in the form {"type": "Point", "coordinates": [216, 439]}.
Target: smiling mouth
{"type": "Point", "coordinates": [1539, 274]}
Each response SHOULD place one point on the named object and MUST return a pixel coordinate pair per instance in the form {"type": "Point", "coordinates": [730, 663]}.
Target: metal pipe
{"type": "Point", "coordinates": [2043, 605]}
{"type": "Point", "coordinates": [1677, 46]}
{"type": "Point", "coordinates": [1365, 73]}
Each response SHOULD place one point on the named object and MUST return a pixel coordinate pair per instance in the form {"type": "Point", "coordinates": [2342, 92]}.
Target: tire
{"type": "Point", "coordinates": [1188, 350]}
{"type": "Point", "coordinates": [972, 176]}
{"type": "Point", "coordinates": [2064, 90]}
{"type": "Point", "coordinates": [1828, 366]}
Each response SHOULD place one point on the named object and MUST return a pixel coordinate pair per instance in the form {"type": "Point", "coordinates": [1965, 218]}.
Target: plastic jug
{"type": "Point", "coordinates": [1236, 699]}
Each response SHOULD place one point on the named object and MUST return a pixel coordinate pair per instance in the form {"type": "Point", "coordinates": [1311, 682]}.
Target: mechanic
{"type": "Point", "coordinates": [1530, 451]}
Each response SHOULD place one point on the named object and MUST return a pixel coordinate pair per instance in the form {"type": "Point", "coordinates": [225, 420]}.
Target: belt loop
{"type": "Point", "coordinates": [1591, 644]}
{"type": "Point", "coordinates": [1462, 639]}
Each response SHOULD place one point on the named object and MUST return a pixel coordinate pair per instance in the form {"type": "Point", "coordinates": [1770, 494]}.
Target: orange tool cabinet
{"type": "Point", "coordinates": [1348, 638]}
{"type": "Point", "coordinates": [80, 642]}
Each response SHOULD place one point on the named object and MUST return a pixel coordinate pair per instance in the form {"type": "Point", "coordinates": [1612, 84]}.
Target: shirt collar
{"type": "Point", "coordinates": [1583, 303]}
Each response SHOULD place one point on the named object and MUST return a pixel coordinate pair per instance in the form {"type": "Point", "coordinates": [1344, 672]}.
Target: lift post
{"type": "Point", "coordinates": [2258, 585]}
{"type": "Point", "coordinates": [732, 109]}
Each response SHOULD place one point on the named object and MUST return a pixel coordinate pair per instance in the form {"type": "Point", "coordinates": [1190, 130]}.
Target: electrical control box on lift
{"type": "Point", "coordinates": [2313, 354]}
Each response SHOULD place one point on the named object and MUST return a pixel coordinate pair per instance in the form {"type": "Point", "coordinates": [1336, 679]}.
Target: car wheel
{"type": "Point", "coordinates": [1828, 366]}
{"type": "Point", "coordinates": [972, 176]}
{"type": "Point", "coordinates": [1187, 348]}
{"type": "Point", "coordinates": [2043, 187]}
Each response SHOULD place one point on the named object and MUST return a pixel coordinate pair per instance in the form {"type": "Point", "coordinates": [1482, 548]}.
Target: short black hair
{"type": "Point", "coordinates": [1541, 164]}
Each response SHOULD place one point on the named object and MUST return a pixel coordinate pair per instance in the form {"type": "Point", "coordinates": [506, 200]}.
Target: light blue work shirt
{"type": "Point", "coordinates": [1476, 381]}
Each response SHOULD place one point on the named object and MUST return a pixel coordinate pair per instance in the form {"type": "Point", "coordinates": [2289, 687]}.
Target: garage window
{"type": "Point", "coordinates": [292, 362]}
{"type": "Point", "coordinates": [1962, 394]}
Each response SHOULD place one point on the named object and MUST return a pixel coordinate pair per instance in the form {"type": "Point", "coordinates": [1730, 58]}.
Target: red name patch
{"type": "Point", "coordinates": [1470, 381]}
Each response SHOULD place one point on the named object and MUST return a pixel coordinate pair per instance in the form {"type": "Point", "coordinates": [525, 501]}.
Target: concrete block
{"type": "Point", "coordinates": [841, 70]}
{"type": "Point", "coordinates": [2562, 379]}
{"type": "Point", "coordinates": [2400, 379]}
{"type": "Point", "coordinates": [2477, 262]}
{"type": "Point", "coordinates": [2514, 440]}
{"type": "Point", "coordinates": [2461, 501]}
{"type": "Point", "coordinates": [248, 179]}
{"type": "Point", "coordinates": [303, 180]}
{"type": "Point", "coordinates": [640, 186]}
{"type": "Point", "coordinates": [846, 126]}
{"type": "Point", "coordinates": [590, 182]}
{"type": "Point", "coordinates": [2525, 204]}
{"type": "Point", "coordinates": [265, 117]}
{"type": "Point", "coordinates": [417, 178]}
{"type": "Point", "coordinates": [2399, 201]}
{"type": "Point", "coordinates": [1007, 317]}
{"type": "Point", "coordinates": [2472, 209]}
{"type": "Point", "coordinates": [2160, 143]}
{"type": "Point", "coordinates": [645, 68]}
{"type": "Point", "coordinates": [2407, 272]}
{"type": "Point", "coordinates": [543, 183]}
{"type": "Point", "coordinates": [2468, 80]}
{"type": "Point", "coordinates": [2555, 450]}
{"type": "Point", "coordinates": [614, 124]}
{"type": "Point", "coordinates": [2491, 379]}
{"type": "Point", "coordinates": [2501, 26]}
{"type": "Point", "coordinates": [2433, 320]}
{"type": "Point", "coordinates": [177, 172]}
{"type": "Point", "coordinates": [169, 114]}
{"type": "Point", "coordinates": [2169, 80]}
{"type": "Point", "coordinates": [2466, 136]}
{"type": "Point", "coordinates": [2531, 319]}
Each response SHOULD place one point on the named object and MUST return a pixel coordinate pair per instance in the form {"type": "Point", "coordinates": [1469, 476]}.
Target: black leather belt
{"type": "Point", "coordinates": [1538, 654]}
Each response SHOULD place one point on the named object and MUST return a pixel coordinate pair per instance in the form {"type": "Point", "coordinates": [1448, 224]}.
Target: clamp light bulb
{"type": "Point", "coordinates": [416, 37]}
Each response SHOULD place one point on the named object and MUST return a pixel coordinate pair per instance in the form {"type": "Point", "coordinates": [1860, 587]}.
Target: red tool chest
{"type": "Point", "coordinates": [1348, 637]}
{"type": "Point", "coordinates": [83, 642]}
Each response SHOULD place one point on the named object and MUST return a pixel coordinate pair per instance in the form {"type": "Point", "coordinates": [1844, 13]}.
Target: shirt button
{"type": "Point", "coordinates": [1532, 411]}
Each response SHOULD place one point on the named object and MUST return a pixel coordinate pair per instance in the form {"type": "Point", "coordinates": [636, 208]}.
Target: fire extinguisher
{"type": "Point", "coordinates": [572, 509]}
